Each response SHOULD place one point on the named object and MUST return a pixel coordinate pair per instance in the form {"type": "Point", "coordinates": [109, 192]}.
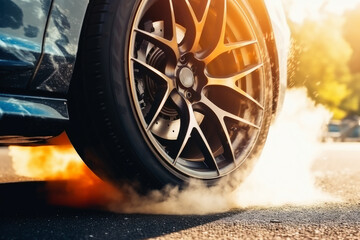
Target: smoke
{"type": "Point", "coordinates": [282, 175]}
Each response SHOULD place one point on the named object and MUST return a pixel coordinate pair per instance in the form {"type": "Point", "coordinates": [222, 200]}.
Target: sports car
{"type": "Point", "coordinates": [153, 91]}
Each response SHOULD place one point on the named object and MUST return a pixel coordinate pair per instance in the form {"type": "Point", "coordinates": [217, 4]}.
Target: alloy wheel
{"type": "Point", "coordinates": [197, 83]}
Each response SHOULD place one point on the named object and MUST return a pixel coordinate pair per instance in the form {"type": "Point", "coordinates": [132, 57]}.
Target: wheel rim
{"type": "Point", "coordinates": [197, 83]}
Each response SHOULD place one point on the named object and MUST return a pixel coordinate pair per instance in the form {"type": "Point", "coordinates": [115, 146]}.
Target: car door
{"type": "Point", "coordinates": [22, 26]}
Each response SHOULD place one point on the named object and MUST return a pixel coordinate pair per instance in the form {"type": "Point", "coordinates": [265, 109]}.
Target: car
{"type": "Point", "coordinates": [350, 128]}
{"type": "Point", "coordinates": [156, 92]}
{"type": "Point", "coordinates": [332, 133]}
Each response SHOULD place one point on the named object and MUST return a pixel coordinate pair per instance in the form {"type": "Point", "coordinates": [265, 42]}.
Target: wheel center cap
{"type": "Point", "coordinates": [186, 77]}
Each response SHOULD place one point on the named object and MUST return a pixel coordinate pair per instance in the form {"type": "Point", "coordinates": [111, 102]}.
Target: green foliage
{"type": "Point", "coordinates": [352, 35]}
{"type": "Point", "coordinates": [319, 61]}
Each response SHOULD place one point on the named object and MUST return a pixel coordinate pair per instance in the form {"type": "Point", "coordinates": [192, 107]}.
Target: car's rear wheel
{"type": "Point", "coordinates": [167, 91]}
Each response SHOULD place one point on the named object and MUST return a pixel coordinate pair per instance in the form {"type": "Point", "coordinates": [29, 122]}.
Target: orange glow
{"type": "Point", "coordinates": [70, 182]}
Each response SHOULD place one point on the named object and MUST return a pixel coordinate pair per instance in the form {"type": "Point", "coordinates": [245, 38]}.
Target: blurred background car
{"type": "Point", "coordinates": [350, 128]}
{"type": "Point", "coordinates": [345, 130]}
{"type": "Point", "coordinates": [332, 132]}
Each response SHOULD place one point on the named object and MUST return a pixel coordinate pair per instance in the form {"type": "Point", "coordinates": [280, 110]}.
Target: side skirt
{"type": "Point", "coordinates": [29, 120]}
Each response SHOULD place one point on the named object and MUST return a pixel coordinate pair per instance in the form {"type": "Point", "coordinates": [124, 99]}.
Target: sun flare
{"type": "Point", "coordinates": [300, 10]}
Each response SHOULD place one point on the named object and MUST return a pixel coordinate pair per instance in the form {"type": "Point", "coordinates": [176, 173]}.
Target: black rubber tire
{"type": "Point", "coordinates": [103, 127]}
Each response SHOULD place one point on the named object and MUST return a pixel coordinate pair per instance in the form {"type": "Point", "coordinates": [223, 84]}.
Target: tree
{"type": "Point", "coordinates": [352, 36]}
{"type": "Point", "coordinates": [350, 31]}
{"type": "Point", "coordinates": [319, 61]}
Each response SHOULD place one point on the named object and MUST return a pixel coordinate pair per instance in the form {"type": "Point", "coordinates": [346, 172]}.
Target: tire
{"type": "Point", "coordinates": [158, 103]}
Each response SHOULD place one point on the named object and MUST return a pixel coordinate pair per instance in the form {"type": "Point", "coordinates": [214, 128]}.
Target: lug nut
{"type": "Point", "coordinates": [188, 94]}
{"type": "Point", "coordinates": [182, 59]}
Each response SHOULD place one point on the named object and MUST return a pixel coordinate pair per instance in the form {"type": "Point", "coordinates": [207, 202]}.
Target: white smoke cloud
{"type": "Point", "coordinates": [281, 176]}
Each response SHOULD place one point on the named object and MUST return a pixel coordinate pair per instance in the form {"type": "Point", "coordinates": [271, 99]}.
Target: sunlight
{"type": "Point", "coordinates": [299, 10]}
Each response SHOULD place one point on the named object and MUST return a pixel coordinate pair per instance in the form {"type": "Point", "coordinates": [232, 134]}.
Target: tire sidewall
{"type": "Point", "coordinates": [139, 144]}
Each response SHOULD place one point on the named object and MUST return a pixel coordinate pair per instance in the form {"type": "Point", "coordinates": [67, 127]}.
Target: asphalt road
{"type": "Point", "coordinates": [25, 213]}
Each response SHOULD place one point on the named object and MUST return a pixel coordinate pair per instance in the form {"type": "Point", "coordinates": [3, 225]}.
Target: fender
{"type": "Point", "coordinates": [56, 65]}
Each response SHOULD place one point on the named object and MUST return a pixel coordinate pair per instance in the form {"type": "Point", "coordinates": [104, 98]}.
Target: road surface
{"type": "Point", "coordinates": [25, 213]}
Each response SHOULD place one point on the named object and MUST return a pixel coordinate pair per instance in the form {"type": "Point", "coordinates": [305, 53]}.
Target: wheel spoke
{"type": "Point", "coordinates": [205, 148]}
{"type": "Point", "coordinates": [230, 82]}
{"type": "Point", "coordinates": [218, 47]}
{"type": "Point", "coordinates": [163, 93]}
{"type": "Point", "coordinates": [226, 48]}
{"type": "Point", "coordinates": [157, 106]}
{"type": "Point", "coordinates": [154, 73]}
{"type": "Point", "coordinates": [217, 44]}
{"type": "Point", "coordinates": [173, 23]}
{"type": "Point", "coordinates": [185, 125]}
{"type": "Point", "coordinates": [220, 115]}
{"type": "Point", "coordinates": [235, 77]}
{"type": "Point", "coordinates": [190, 128]}
{"type": "Point", "coordinates": [198, 25]}
{"type": "Point", "coordinates": [169, 46]}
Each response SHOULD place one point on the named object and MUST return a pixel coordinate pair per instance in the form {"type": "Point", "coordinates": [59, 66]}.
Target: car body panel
{"type": "Point", "coordinates": [60, 47]}
{"type": "Point", "coordinates": [22, 27]}
{"type": "Point", "coordinates": [29, 119]}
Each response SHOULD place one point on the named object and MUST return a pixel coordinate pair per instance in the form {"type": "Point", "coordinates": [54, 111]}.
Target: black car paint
{"type": "Point", "coordinates": [38, 46]}
{"type": "Point", "coordinates": [21, 38]}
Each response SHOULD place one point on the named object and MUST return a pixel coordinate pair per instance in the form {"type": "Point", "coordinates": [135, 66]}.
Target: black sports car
{"type": "Point", "coordinates": [155, 91]}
